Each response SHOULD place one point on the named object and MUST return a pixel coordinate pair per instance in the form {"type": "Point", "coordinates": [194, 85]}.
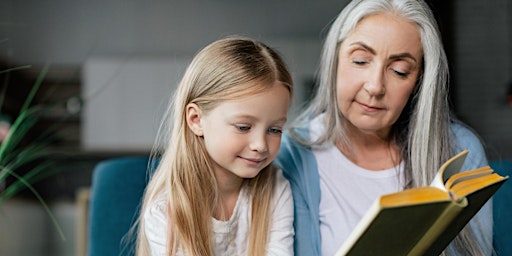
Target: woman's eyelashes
{"type": "Point", "coordinates": [401, 68]}
{"type": "Point", "coordinates": [359, 62]}
{"type": "Point", "coordinates": [401, 73]}
{"type": "Point", "coordinates": [398, 71]}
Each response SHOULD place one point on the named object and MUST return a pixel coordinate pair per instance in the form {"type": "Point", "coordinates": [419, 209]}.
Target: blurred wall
{"type": "Point", "coordinates": [483, 50]}
{"type": "Point", "coordinates": [68, 32]}
{"type": "Point", "coordinates": [71, 32]}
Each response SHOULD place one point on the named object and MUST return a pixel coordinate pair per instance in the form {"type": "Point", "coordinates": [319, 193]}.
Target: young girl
{"type": "Point", "coordinates": [215, 191]}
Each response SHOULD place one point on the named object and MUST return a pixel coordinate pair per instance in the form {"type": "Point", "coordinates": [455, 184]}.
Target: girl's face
{"type": "Point", "coordinates": [378, 65]}
{"type": "Point", "coordinates": [243, 136]}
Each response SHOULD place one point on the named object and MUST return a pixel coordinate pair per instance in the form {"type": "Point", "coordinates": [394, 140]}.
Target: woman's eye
{"type": "Point", "coordinates": [401, 68]}
{"type": "Point", "coordinates": [359, 62]}
{"type": "Point", "coordinates": [275, 130]}
{"type": "Point", "coordinates": [401, 74]}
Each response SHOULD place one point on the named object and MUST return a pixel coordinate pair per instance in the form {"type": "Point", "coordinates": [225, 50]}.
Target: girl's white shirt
{"type": "Point", "coordinates": [231, 237]}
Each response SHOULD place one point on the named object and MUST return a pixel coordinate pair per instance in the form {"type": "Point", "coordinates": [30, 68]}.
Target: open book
{"type": "Point", "coordinates": [424, 220]}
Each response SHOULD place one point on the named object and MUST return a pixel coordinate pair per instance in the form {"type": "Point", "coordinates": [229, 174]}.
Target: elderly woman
{"type": "Point", "coordinates": [379, 123]}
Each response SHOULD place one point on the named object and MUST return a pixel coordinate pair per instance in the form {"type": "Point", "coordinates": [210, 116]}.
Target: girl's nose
{"type": "Point", "coordinates": [259, 143]}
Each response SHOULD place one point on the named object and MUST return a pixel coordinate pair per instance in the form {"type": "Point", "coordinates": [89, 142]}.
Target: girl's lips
{"type": "Point", "coordinates": [253, 160]}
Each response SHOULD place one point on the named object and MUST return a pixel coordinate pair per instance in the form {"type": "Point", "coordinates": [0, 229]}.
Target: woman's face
{"type": "Point", "coordinates": [378, 65]}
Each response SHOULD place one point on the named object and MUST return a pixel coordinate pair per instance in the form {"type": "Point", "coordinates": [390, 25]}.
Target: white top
{"type": "Point", "coordinates": [231, 237]}
{"type": "Point", "coordinates": [347, 192]}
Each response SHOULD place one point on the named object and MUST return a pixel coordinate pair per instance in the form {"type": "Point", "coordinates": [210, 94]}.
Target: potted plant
{"type": "Point", "coordinates": [22, 162]}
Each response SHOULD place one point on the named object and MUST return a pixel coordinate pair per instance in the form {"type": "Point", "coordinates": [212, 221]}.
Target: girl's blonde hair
{"type": "Point", "coordinates": [227, 69]}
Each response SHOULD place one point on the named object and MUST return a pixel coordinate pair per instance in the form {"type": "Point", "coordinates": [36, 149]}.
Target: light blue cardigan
{"type": "Point", "coordinates": [299, 167]}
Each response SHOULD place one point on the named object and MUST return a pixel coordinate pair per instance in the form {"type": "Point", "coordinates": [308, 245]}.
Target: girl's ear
{"type": "Point", "coordinates": [194, 119]}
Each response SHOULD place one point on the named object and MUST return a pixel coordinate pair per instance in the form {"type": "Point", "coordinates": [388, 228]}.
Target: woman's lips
{"type": "Point", "coordinates": [370, 108]}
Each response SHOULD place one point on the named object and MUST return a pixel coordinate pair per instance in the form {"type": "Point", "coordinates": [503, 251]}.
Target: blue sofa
{"type": "Point", "coordinates": [502, 210]}
{"type": "Point", "coordinates": [118, 185]}
{"type": "Point", "coordinates": [116, 192]}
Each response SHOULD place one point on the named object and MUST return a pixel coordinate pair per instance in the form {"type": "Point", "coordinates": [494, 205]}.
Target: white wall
{"type": "Point", "coordinates": [125, 97]}
{"type": "Point", "coordinates": [69, 32]}
{"type": "Point", "coordinates": [132, 40]}
{"type": "Point", "coordinates": [125, 100]}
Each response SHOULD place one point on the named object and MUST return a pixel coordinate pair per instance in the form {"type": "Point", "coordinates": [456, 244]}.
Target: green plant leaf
{"type": "Point", "coordinates": [35, 88]}
{"type": "Point", "coordinates": [25, 121]}
{"type": "Point", "coordinates": [31, 157]}
{"type": "Point", "coordinates": [14, 69]}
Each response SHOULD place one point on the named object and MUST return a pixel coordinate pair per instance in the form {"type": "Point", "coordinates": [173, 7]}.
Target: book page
{"type": "Point", "coordinates": [467, 175]}
{"type": "Point", "coordinates": [413, 196]}
{"type": "Point", "coordinates": [467, 187]}
{"type": "Point", "coordinates": [449, 168]}
{"type": "Point", "coordinates": [476, 200]}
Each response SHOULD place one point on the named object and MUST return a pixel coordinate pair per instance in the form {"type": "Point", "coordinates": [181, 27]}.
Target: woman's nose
{"type": "Point", "coordinates": [375, 85]}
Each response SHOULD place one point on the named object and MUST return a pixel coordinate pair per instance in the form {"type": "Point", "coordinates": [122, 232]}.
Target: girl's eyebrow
{"type": "Point", "coordinates": [246, 116]}
{"type": "Point", "coordinates": [281, 120]}
{"type": "Point", "coordinates": [404, 55]}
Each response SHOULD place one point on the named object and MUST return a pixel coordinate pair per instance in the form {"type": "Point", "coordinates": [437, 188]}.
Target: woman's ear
{"type": "Point", "coordinates": [194, 119]}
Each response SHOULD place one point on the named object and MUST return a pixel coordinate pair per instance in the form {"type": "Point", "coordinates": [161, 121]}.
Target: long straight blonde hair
{"type": "Point", "coordinates": [227, 69]}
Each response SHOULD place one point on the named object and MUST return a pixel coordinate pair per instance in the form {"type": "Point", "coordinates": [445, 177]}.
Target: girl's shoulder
{"type": "Point", "coordinates": [282, 196]}
{"type": "Point", "coordinates": [156, 211]}
{"type": "Point", "coordinates": [281, 182]}
{"type": "Point", "coordinates": [155, 225]}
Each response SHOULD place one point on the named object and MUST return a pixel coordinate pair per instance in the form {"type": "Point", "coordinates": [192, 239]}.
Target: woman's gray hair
{"type": "Point", "coordinates": [423, 129]}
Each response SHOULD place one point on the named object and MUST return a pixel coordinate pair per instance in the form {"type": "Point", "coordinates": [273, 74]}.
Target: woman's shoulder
{"type": "Point", "coordinates": [464, 136]}
{"type": "Point", "coordinates": [295, 138]}
{"type": "Point", "coordinates": [293, 154]}
{"type": "Point", "coordinates": [467, 139]}
{"type": "Point", "coordinates": [461, 129]}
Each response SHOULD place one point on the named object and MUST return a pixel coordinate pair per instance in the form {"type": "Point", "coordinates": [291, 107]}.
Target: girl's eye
{"type": "Point", "coordinates": [242, 128]}
{"type": "Point", "coordinates": [275, 130]}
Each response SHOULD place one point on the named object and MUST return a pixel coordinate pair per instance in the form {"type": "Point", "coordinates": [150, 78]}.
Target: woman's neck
{"type": "Point", "coordinates": [370, 150]}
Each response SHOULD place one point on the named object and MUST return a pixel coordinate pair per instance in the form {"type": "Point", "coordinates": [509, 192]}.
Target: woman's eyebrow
{"type": "Point", "coordinates": [404, 55]}
{"type": "Point", "coordinates": [365, 46]}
